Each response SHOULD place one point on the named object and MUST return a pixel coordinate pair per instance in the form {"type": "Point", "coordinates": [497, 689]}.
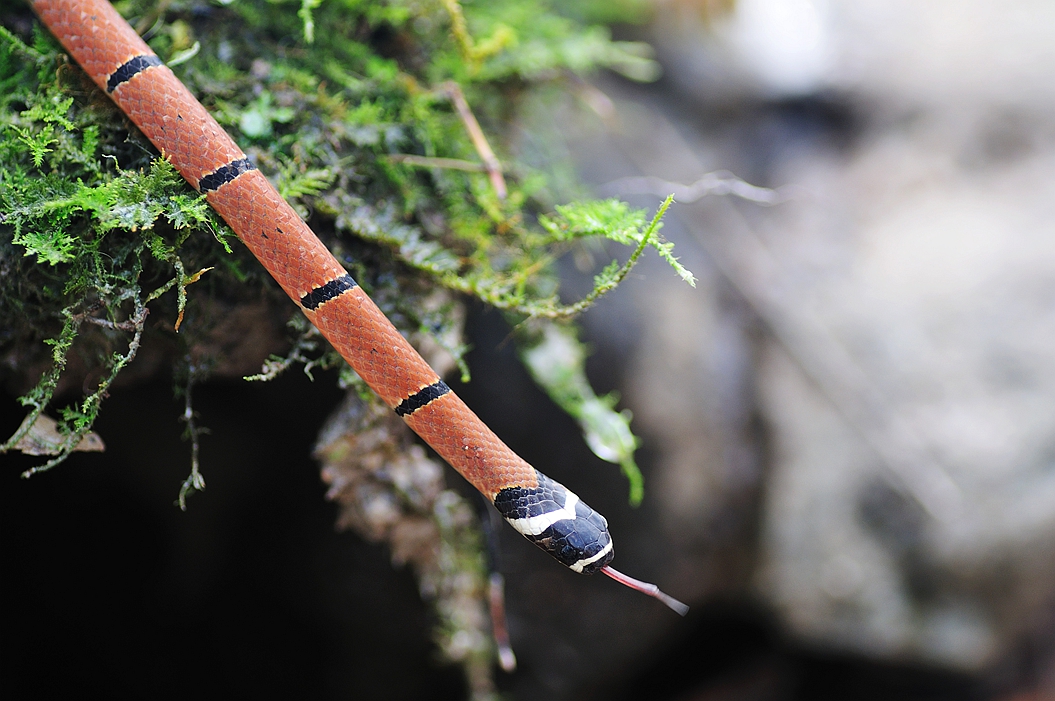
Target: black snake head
{"type": "Point", "coordinates": [555, 519]}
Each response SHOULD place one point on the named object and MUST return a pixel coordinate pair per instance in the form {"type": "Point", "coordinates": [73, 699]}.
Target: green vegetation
{"type": "Point", "coordinates": [364, 114]}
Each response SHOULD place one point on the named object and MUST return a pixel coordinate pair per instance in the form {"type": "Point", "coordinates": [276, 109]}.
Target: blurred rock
{"type": "Point", "coordinates": [905, 372]}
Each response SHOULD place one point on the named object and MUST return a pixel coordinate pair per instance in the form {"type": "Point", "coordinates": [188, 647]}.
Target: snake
{"type": "Point", "coordinates": [121, 64]}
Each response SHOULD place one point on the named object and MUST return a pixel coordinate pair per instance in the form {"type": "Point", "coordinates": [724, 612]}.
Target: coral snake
{"type": "Point", "coordinates": [146, 90]}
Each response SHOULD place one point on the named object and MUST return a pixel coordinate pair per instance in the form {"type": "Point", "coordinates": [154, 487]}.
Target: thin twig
{"type": "Point", "coordinates": [446, 163]}
{"type": "Point", "coordinates": [195, 481]}
{"type": "Point", "coordinates": [720, 183]}
{"type": "Point", "coordinates": [500, 630]}
{"type": "Point", "coordinates": [476, 134]}
{"type": "Point", "coordinates": [127, 325]}
{"type": "Point", "coordinates": [596, 99]}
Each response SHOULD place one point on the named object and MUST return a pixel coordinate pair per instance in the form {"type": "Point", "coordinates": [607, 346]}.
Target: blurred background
{"type": "Point", "coordinates": [848, 426]}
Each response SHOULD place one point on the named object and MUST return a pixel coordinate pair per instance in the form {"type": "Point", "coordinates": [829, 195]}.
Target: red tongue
{"type": "Point", "coordinates": [646, 588]}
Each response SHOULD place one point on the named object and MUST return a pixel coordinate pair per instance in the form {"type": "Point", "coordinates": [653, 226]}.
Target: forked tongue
{"type": "Point", "coordinates": [646, 588]}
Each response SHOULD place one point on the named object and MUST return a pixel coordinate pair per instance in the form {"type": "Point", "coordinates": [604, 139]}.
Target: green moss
{"type": "Point", "coordinates": [347, 106]}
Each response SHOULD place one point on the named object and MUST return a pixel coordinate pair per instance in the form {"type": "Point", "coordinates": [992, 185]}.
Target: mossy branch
{"type": "Point", "coordinates": [303, 352]}
{"type": "Point", "coordinates": [614, 273]}
{"type": "Point", "coordinates": [77, 420]}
